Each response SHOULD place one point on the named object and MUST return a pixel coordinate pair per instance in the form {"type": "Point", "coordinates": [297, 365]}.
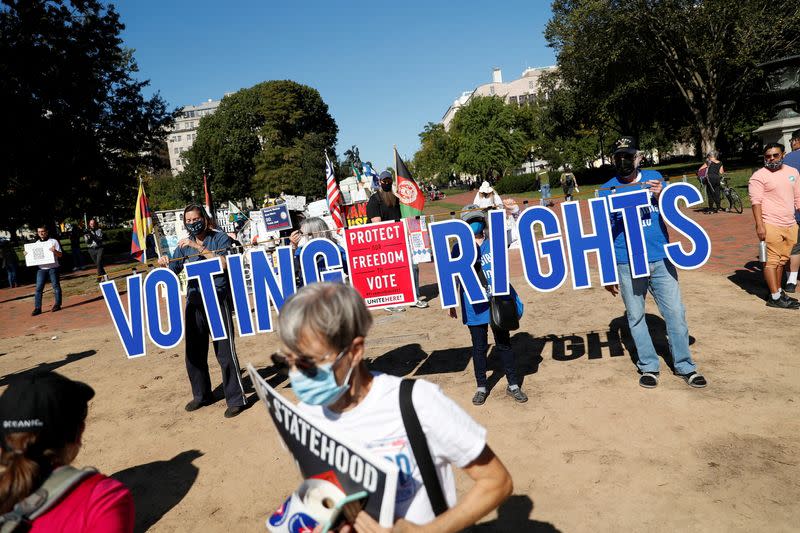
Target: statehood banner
{"type": "Point", "coordinates": [321, 453]}
{"type": "Point", "coordinates": [380, 264]}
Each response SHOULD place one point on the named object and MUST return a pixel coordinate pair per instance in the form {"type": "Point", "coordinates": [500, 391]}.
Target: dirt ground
{"type": "Point", "coordinates": [591, 450]}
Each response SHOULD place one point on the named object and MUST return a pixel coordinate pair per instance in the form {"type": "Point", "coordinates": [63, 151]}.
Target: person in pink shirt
{"type": "Point", "coordinates": [775, 196]}
{"type": "Point", "coordinates": [42, 419]}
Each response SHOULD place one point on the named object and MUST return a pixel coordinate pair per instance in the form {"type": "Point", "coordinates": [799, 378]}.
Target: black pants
{"type": "Point", "coordinates": [97, 258]}
{"type": "Point", "coordinates": [712, 189]}
{"type": "Point", "coordinates": [197, 335]}
{"type": "Point", "coordinates": [480, 347]}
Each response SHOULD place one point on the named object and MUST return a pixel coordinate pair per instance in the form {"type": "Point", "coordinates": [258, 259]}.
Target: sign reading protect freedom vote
{"type": "Point", "coordinates": [547, 259]}
{"type": "Point", "coordinates": [380, 265]}
{"type": "Point", "coordinates": [321, 453]}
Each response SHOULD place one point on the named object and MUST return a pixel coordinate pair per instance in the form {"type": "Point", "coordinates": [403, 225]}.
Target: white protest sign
{"type": "Point", "coordinates": [39, 253]}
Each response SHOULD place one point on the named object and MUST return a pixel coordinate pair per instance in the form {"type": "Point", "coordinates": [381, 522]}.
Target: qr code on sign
{"type": "Point", "coordinates": [38, 254]}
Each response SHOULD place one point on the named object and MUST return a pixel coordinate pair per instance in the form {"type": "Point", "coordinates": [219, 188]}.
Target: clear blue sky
{"type": "Point", "coordinates": [385, 69]}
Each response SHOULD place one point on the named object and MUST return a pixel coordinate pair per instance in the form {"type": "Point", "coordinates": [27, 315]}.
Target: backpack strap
{"type": "Point", "coordinates": [60, 483]}
{"type": "Point", "coordinates": [419, 445]}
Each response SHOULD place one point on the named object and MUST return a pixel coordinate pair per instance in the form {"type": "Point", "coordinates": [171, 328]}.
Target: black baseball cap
{"type": "Point", "coordinates": [386, 175]}
{"type": "Point", "coordinates": [626, 145]}
{"type": "Point", "coordinates": [46, 403]}
{"type": "Point", "coordinates": [795, 135]}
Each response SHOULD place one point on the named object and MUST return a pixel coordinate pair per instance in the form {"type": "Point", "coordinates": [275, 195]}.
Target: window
{"type": "Point", "coordinates": [177, 138]}
{"type": "Point", "coordinates": [177, 150]}
{"type": "Point", "coordinates": [531, 84]}
{"type": "Point", "coordinates": [512, 100]}
{"type": "Point", "coordinates": [523, 99]}
{"type": "Point", "coordinates": [491, 90]}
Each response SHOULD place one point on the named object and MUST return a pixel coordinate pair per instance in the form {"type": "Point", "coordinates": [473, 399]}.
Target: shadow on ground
{"type": "Point", "coordinates": [750, 278]}
{"type": "Point", "coordinates": [159, 486]}
{"type": "Point", "coordinates": [47, 367]}
{"type": "Point", "coordinates": [514, 515]}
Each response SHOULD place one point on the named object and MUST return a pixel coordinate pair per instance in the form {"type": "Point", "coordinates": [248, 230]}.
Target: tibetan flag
{"type": "Point", "coordinates": [333, 194]}
{"type": "Point", "coordinates": [142, 226]}
{"type": "Point", "coordinates": [412, 200]}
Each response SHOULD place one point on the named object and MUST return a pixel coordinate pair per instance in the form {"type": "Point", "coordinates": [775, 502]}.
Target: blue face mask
{"type": "Point", "coordinates": [321, 389]}
{"type": "Point", "coordinates": [477, 227]}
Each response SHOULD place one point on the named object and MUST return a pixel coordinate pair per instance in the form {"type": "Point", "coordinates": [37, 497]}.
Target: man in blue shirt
{"type": "Point", "coordinates": [204, 242]}
{"type": "Point", "coordinates": [662, 282]}
{"type": "Point", "coordinates": [792, 159]}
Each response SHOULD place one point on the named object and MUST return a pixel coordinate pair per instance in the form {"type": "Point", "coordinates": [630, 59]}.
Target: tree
{"type": "Point", "coordinates": [484, 137]}
{"type": "Point", "coordinates": [637, 62]}
{"type": "Point", "coordinates": [77, 129]}
{"type": "Point", "coordinates": [436, 157]}
{"type": "Point", "coordinates": [270, 138]}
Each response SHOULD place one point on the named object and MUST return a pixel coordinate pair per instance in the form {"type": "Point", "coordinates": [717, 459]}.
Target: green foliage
{"type": "Point", "coordinates": [164, 191]}
{"type": "Point", "coordinates": [484, 137]}
{"type": "Point", "coordinates": [516, 183]}
{"type": "Point", "coordinates": [435, 159]}
{"type": "Point", "coordinates": [267, 139]}
{"type": "Point", "coordinates": [77, 129]}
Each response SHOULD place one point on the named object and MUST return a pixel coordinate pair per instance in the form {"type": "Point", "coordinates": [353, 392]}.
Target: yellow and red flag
{"type": "Point", "coordinates": [142, 226]}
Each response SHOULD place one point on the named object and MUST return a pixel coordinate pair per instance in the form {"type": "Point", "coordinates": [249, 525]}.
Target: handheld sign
{"type": "Point", "coordinates": [39, 253]}
{"type": "Point", "coordinates": [380, 265]}
{"type": "Point", "coordinates": [277, 217]}
{"type": "Point", "coordinates": [321, 453]}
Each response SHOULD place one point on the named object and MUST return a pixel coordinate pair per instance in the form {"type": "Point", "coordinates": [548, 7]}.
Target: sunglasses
{"type": "Point", "coordinates": [304, 363]}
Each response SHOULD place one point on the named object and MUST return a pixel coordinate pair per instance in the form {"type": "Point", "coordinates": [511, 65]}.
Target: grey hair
{"type": "Point", "coordinates": [333, 311]}
{"type": "Point", "coordinates": [712, 154]}
{"type": "Point", "coordinates": [314, 227]}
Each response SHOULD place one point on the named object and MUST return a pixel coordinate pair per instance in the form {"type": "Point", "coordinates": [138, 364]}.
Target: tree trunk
{"type": "Point", "coordinates": [708, 138]}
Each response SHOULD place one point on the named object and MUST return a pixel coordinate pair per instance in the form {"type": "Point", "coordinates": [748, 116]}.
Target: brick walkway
{"type": "Point", "coordinates": [733, 245]}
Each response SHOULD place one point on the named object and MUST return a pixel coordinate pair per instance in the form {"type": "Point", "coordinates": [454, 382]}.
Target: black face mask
{"type": "Point", "coordinates": [624, 167]}
{"type": "Point", "coordinates": [386, 187]}
{"type": "Point", "coordinates": [196, 228]}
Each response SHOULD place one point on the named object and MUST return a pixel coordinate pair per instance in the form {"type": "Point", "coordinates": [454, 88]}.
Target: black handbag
{"type": "Point", "coordinates": [502, 309]}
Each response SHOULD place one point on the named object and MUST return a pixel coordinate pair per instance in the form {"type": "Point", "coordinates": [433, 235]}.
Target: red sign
{"type": "Point", "coordinates": [380, 266]}
{"type": "Point", "coordinates": [356, 214]}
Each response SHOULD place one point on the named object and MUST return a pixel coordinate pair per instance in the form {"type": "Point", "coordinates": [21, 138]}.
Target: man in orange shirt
{"type": "Point", "coordinates": [775, 196]}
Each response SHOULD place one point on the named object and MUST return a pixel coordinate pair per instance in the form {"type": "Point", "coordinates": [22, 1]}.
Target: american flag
{"type": "Point", "coordinates": [334, 196]}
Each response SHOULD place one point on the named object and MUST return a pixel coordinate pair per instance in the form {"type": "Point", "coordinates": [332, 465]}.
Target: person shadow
{"type": "Point", "coordinates": [159, 486]}
{"type": "Point", "coordinates": [527, 358]}
{"type": "Point", "coordinates": [46, 367]}
{"type": "Point", "coordinates": [658, 333]}
{"type": "Point", "coordinates": [750, 278]}
{"type": "Point", "coordinates": [514, 514]}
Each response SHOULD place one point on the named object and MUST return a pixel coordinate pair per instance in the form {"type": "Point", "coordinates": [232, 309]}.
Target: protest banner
{"type": "Point", "coordinates": [419, 239]}
{"type": "Point", "coordinates": [380, 265]}
{"type": "Point", "coordinates": [170, 230]}
{"type": "Point", "coordinates": [276, 217]}
{"type": "Point", "coordinates": [223, 220]}
{"type": "Point", "coordinates": [295, 203]}
{"type": "Point", "coordinates": [355, 214]}
{"type": "Point", "coordinates": [39, 253]}
{"type": "Point", "coordinates": [320, 452]}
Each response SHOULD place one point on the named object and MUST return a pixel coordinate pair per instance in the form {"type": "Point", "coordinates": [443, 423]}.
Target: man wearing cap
{"type": "Point", "coordinates": [662, 281]}
{"type": "Point", "coordinates": [384, 206]}
{"type": "Point", "coordinates": [792, 159]}
{"type": "Point", "coordinates": [775, 198]}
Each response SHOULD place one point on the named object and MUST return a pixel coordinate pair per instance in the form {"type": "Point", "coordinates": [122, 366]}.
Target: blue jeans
{"type": "Point", "coordinates": [663, 285]}
{"type": "Point", "coordinates": [480, 347]}
{"type": "Point", "coordinates": [41, 279]}
{"type": "Point", "coordinates": [11, 271]}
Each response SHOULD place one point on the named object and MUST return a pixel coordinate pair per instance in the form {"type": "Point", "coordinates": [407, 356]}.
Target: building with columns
{"type": "Point", "coordinates": [184, 132]}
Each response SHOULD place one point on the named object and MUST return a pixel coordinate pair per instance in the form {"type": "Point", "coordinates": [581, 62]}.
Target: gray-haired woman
{"type": "Point", "coordinates": [313, 228]}
{"type": "Point", "coordinates": [323, 329]}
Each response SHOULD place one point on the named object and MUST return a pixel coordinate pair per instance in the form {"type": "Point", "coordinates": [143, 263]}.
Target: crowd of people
{"type": "Point", "coordinates": [323, 329]}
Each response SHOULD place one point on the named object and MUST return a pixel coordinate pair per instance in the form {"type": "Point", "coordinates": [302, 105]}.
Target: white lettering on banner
{"type": "Point", "coordinates": [382, 282]}
{"type": "Point", "coordinates": [378, 234]}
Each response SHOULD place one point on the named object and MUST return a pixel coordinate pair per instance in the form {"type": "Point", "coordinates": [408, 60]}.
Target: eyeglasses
{"type": "Point", "coordinates": [773, 156]}
{"type": "Point", "coordinates": [304, 363]}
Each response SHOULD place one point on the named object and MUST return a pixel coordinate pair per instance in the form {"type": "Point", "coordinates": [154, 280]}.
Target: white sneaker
{"type": "Point", "coordinates": [421, 304]}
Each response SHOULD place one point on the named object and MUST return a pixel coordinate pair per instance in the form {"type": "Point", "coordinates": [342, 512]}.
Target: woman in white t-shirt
{"type": "Point", "coordinates": [487, 197]}
{"type": "Point", "coordinates": [323, 328]}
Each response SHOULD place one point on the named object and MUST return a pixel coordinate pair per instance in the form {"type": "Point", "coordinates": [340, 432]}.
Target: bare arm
{"type": "Point", "coordinates": [760, 230]}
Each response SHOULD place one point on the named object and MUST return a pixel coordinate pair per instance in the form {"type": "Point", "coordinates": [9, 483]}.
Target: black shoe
{"type": "Point", "coordinates": [790, 288]}
{"type": "Point", "coordinates": [36, 311]}
{"type": "Point", "coordinates": [194, 405]}
{"type": "Point", "coordinates": [55, 308]}
{"type": "Point", "coordinates": [517, 394]}
{"type": "Point", "coordinates": [787, 297]}
{"type": "Point", "coordinates": [479, 398]}
{"type": "Point", "coordinates": [783, 303]}
{"type": "Point", "coordinates": [649, 380]}
{"type": "Point", "coordinates": [234, 410]}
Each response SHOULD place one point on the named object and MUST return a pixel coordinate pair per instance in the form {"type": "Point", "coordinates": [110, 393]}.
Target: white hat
{"type": "Point", "coordinates": [485, 188]}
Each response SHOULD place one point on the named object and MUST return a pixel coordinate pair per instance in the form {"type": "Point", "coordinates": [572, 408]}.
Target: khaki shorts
{"type": "Point", "coordinates": [779, 244]}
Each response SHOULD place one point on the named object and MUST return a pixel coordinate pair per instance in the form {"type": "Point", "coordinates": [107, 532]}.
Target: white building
{"type": "Point", "coordinates": [184, 132]}
{"type": "Point", "coordinates": [519, 92]}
